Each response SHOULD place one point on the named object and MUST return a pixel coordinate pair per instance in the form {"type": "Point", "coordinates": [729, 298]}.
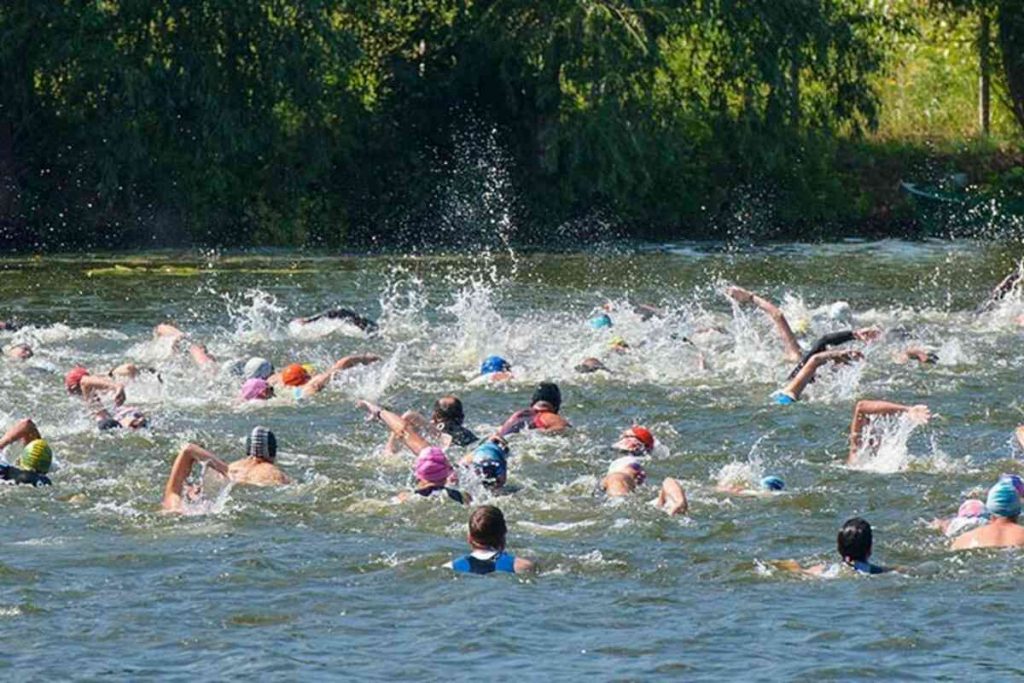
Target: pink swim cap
{"type": "Point", "coordinates": [254, 389]}
{"type": "Point", "coordinates": [972, 507]}
{"type": "Point", "coordinates": [432, 466]}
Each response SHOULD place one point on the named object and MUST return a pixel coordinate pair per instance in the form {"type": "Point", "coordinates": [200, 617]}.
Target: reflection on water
{"type": "Point", "coordinates": [331, 575]}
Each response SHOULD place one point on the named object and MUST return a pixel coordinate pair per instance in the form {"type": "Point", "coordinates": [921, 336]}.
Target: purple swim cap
{"type": "Point", "coordinates": [972, 507]}
{"type": "Point", "coordinates": [432, 466]}
{"type": "Point", "coordinates": [254, 389]}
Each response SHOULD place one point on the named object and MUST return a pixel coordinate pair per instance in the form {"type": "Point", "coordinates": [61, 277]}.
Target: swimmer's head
{"type": "Point", "coordinates": [548, 392]}
{"type": "Point", "coordinates": [490, 462]}
{"type": "Point", "coordinates": [18, 352]}
{"type": "Point", "coordinates": [493, 364]}
{"type": "Point", "coordinates": [1003, 500]}
{"type": "Point", "coordinates": [36, 457]}
{"type": "Point", "coordinates": [73, 379]}
{"type": "Point", "coordinates": [261, 443]}
{"type": "Point", "coordinates": [256, 389]}
{"type": "Point", "coordinates": [487, 528]}
{"type": "Point", "coordinates": [130, 417]}
{"type": "Point", "coordinates": [1018, 483]}
{"type": "Point", "coordinates": [772, 483]}
{"type": "Point", "coordinates": [618, 344]}
{"type": "Point", "coordinates": [294, 375]}
{"type": "Point", "coordinates": [257, 367]}
{"type": "Point", "coordinates": [854, 540]}
{"type": "Point", "coordinates": [591, 365]}
{"type": "Point", "coordinates": [801, 326]}
{"type": "Point", "coordinates": [840, 312]}
{"type": "Point", "coordinates": [972, 507]}
{"type": "Point", "coordinates": [309, 368]}
{"type": "Point", "coordinates": [233, 368]}
{"type": "Point", "coordinates": [631, 466]}
{"type": "Point", "coordinates": [637, 440]}
{"type": "Point", "coordinates": [432, 466]}
{"type": "Point", "coordinates": [448, 411]}
{"type": "Point", "coordinates": [600, 321]}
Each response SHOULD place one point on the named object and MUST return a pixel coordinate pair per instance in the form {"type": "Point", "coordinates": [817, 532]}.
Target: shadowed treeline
{"type": "Point", "coordinates": [287, 122]}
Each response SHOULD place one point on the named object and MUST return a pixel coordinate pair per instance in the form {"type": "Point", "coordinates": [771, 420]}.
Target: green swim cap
{"type": "Point", "coordinates": [37, 457]}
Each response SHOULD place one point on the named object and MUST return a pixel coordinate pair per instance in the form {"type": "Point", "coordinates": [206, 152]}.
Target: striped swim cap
{"type": "Point", "coordinates": [36, 457]}
{"type": "Point", "coordinates": [261, 443]}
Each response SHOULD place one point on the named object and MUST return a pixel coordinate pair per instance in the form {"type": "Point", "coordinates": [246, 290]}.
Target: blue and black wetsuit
{"type": "Point", "coordinates": [19, 476]}
{"type": "Point", "coordinates": [453, 494]}
{"type": "Point", "coordinates": [824, 343]}
{"type": "Point", "coordinates": [866, 567]}
{"type": "Point", "coordinates": [497, 562]}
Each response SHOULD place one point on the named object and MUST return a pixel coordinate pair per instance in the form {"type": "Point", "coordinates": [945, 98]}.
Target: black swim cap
{"type": "Point", "coordinates": [549, 393]}
{"type": "Point", "coordinates": [261, 443]}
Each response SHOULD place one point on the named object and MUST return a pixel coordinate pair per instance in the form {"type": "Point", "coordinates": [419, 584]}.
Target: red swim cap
{"type": "Point", "coordinates": [294, 375]}
{"type": "Point", "coordinates": [644, 436]}
{"type": "Point", "coordinates": [73, 380]}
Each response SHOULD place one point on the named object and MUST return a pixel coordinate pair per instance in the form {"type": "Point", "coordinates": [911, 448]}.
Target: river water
{"type": "Point", "coordinates": [330, 577]}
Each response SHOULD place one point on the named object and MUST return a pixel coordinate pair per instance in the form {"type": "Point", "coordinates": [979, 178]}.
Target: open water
{"type": "Point", "coordinates": [331, 578]}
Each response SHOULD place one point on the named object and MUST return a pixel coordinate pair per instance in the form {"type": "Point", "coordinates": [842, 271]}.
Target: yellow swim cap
{"type": "Point", "coordinates": [309, 368]}
{"type": "Point", "coordinates": [801, 326]}
{"type": "Point", "coordinates": [37, 457]}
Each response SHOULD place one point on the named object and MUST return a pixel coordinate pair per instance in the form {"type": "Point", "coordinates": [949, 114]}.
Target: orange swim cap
{"type": "Point", "coordinates": [294, 375]}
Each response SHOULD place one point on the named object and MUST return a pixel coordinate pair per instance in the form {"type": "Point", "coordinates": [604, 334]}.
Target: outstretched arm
{"type": "Point", "coordinates": [402, 430]}
{"type": "Point", "coordinates": [864, 409]}
{"type": "Point", "coordinates": [1002, 289]}
{"type": "Point", "coordinates": [95, 384]}
{"type": "Point", "coordinates": [317, 382]}
{"type": "Point", "coordinates": [793, 350]}
{"type": "Point", "coordinates": [188, 455]}
{"type": "Point", "coordinates": [23, 430]}
{"type": "Point", "coordinates": [196, 351]}
{"type": "Point", "coordinates": [797, 385]}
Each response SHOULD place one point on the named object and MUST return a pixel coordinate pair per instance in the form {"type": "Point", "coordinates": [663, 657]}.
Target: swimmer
{"type": "Point", "coordinates": [768, 484]}
{"type": "Point", "coordinates": [36, 459]}
{"type": "Point", "coordinates": [79, 382]}
{"type": "Point", "coordinates": [972, 513]}
{"type": "Point", "coordinates": [542, 414]}
{"type": "Point", "coordinates": [600, 321]}
{"type": "Point", "coordinates": [489, 462]}
{"type": "Point", "coordinates": [590, 365]}
{"type": "Point", "coordinates": [125, 417]}
{"type": "Point", "coordinates": [627, 473]}
{"type": "Point", "coordinates": [793, 351]}
{"type": "Point", "coordinates": [18, 352]}
{"type": "Point", "coordinates": [445, 427]}
{"type": "Point", "coordinates": [1006, 285]}
{"type": "Point", "coordinates": [826, 342]}
{"type": "Point", "coordinates": [493, 369]}
{"type": "Point", "coordinates": [1002, 529]}
{"type": "Point", "coordinates": [432, 469]}
{"type": "Point", "coordinates": [345, 314]}
{"type": "Point", "coordinates": [304, 383]}
{"type": "Point", "coordinates": [618, 345]}
{"type": "Point", "coordinates": [790, 393]}
{"type": "Point", "coordinates": [865, 409]}
{"type": "Point", "coordinates": [636, 440]}
{"type": "Point", "coordinates": [196, 350]}
{"type": "Point", "coordinates": [256, 389]}
{"type": "Point", "coordinates": [854, 543]}
{"type": "Point", "coordinates": [10, 325]}
{"type": "Point", "coordinates": [257, 468]}
{"type": "Point", "coordinates": [487, 534]}
{"type": "Point", "coordinates": [916, 353]}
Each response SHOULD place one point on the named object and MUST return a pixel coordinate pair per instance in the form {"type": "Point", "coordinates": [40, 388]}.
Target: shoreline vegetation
{"type": "Point", "coordinates": [368, 126]}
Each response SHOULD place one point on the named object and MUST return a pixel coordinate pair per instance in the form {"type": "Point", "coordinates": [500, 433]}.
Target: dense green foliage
{"type": "Point", "coordinates": [236, 122]}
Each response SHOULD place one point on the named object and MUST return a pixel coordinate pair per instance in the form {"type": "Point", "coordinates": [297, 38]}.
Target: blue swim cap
{"type": "Point", "coordinates": [772, 483]}
{"type": "Point", "coordinates": [600, 321]}
{"type": "Point", "coordinates": [494, 364]}
{"type": "Point", "coordinates": [490, 462]}
{"type": "Point", "coordinates": [1003, 500]}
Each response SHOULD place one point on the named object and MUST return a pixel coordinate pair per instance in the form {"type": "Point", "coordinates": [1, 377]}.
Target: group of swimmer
{"type": "Point", "coordinates": [989, 523]}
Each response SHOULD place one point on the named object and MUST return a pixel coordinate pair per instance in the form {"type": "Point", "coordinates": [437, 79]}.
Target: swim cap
{"type": "Point", "coordinates": [629, 464]}
{"type": "Point", "coordinates": [549, 393]}
{"type": "Point", "coordinates": [618, 343]}
{"type": "Point", "coordinates": [261, 443]}
{"type": "Point", "coordinates": [309, 368]}
{"type": "Point", "coordinates": [632, 435]}
{"type": "Point", "coordinates": [1018, 483]}
{"type": "Point", "coordinates": [644, 436]}
{"type": "Point", "coordinates": [600, 322]}
{"type": "Point", "coordinates": [972, 507]}
{"type": "Point", "coordinates": [772, 483]}
{"type": "Point", "coordinates": [254, 389]}
{"type": "Point", "coordinates": [591, 365]}
{"type": "Point", "coordinates": [294, 375]}
{"type": "Point", "coordinates": [1003, 500]}
{"type": "Point", "coordinates": [257, 367]}
{"type": "Point", "coordinates": [490, 462]}
{"type": "Point", "coordinates": [432, 466]}
{"type": "Point", "coordinates": [36, 457]}
{"type": "Point", "coordinates": [73, 380]}
{"type": "Point", "coordinates": [801, 326]}
{"type": "Point", "coordinates": [494, 364]}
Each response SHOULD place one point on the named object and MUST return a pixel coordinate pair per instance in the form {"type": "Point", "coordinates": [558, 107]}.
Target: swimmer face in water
{"type": "Point", "coordinates": [19, 352]}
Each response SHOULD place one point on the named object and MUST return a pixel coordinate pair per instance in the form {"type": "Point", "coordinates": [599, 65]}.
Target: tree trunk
{"type": "Point", "coordinates": [984, 64]}
{"type": "Point", "coordinates": [1011, 43]}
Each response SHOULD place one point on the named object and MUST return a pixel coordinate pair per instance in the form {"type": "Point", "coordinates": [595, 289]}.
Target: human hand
{"type": "Point", "coordinates": [866, 334]}
{"type": "Point", "coordinates": [739, 294]}
{"type": "Point", "coordinates": [919, 414]}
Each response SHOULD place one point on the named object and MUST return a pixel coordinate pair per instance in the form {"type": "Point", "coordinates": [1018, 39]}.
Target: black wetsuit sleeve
{"type": "Point", "coordinates": [19, 476]}
{"type": "Point", "coordinates": [823, 344]}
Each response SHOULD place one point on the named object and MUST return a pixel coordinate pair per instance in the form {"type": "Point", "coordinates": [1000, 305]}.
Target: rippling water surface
{"type": "Point", "coordinates": [330, 577]}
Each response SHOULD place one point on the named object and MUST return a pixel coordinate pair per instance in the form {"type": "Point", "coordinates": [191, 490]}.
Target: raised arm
{"type": "Point", "coordinates": [95, 384]}
{"type": "Point", "coordinates": [402, 430]}
{"type": "Point", "coordinates": [23, 430]}
{"type": "Point", "coordinates": [797, 385]}
{"type": "Point", "coordinates": [864, 409]}
{"type": "Point", "coordinates": [188, 455]}
{"type": "Point", "coordinates": [1002, 289]}
{"type": "Point", "coordinates": [317, 382]}
{"type": "Point", "coordinates": [743, 296]}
